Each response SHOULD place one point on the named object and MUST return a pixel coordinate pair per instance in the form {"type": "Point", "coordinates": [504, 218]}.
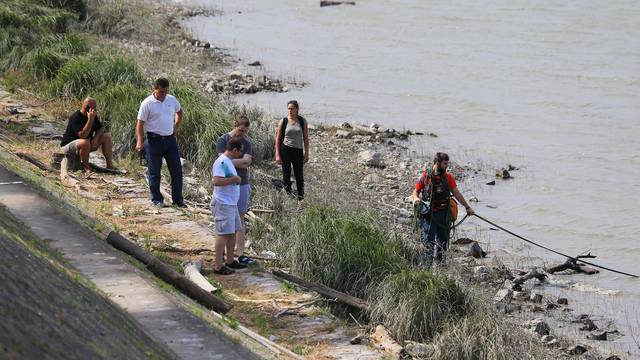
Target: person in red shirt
{"type": "Point", "coordinates": [434, 188]}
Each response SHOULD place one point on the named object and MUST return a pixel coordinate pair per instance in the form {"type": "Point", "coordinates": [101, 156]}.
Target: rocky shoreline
{"type": "Point", "coordinates": [375, 171]}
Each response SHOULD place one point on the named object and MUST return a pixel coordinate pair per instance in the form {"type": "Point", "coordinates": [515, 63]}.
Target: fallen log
{"type": "Point", "coordinates": [192, 272]}
{"type": "Point", "coordinates": [572, 264]}
{"type": "Point", "coordinates": [168, 274]}
{"type": "Point", "coordinates": [324, 290]}
{"type": "Point", "coordinates": [34, 161]}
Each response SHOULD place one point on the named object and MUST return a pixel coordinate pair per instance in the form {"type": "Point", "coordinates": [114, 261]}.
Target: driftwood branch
{"type": "Point", "coordinates": [325, 291]}
{"type": "Point", "coordinates": [292, 310]}
{"type": "Point", "coordinates": [572, 264]}
{"type": "Point", "coordinates": [534, 273]}
{"type": "Point", "coordinates": [168, 274]}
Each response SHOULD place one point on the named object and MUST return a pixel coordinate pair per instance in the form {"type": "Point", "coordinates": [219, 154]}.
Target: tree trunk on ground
{"type": "Point", "coordinates": [325, 291]}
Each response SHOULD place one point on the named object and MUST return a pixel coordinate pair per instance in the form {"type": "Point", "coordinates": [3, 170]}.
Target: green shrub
{"type": "Point", "coordinates": [118, 106]}
{"type": "Point", "coordinates": [486, 336]}
{"type": "Point", "coordinates": [347, 251]}
{"type": "Point", "coordinates": [417, 304]}
{"type": "Point", "coordinates": [84, 75]}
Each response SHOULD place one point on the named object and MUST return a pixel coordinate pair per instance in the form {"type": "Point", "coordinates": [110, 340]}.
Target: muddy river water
{"type": "Point", "coordinates": [552, 87]}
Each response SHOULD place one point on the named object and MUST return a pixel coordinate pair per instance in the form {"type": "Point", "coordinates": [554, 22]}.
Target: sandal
{"type": "Point", "coordinates": [236, 265]}
{"type": "Point", "coordinates": [223, 271]}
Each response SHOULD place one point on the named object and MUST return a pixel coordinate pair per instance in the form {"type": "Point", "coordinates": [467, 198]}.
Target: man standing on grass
{"type": "Point", "coordinates": [239, 131]}
{"type": "Point", "coordinates": [224, 207]}
{"type": "Point", "coordinates": [159, 118]}
{"type": "Point", "coordinates": [86, 134]}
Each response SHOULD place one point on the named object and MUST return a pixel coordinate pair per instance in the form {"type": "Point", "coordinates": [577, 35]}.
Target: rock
{"type": "Point", "coordinates": [476, 251]}
{"type": "Point", "coordinates": [547, 339]}
{"type": "Point", "coordinates": [598, 335]}
{"type": "Point", "coordinates": [273, 338]}
{"type": "Point", "coordinates": [255, 63]}
{"type": "Point", "coordinates": [374, 127]}
{"type": "Point", "coordinates": [511, 167]}
{"type": "Point", "coordinates": [551, 306]}
{"type": "Point", "coordinates": [538, 326]}
{"type": "Point", "coordinates": [235, 75]}
{"type": "Point", "coordinates": [371, 158]}
{"type": "Point", "coordinates": [505, 174]}
{"type": "Point", "coordinates": [613, 357]}
{"type": "Point", "coordinates": [535, 297]}
{"type": "Point", "coordinates": [207, 45]}
{"type": "Point", "coordinates": [519, 295]}
{"type": "Point", "coordinates": [492, 182]}
{"type": "Point", "coordinates": [480, 270]}
{"type": "Point", "coordinates": [508, 284]}
{"type": "Point", "coordinates": [588, 325]}
{"type": "Point", "coordinates": [356, 340]}
{"type": "Point", "coordinates": [343, 134]}
{"type": "Point", "coordinates": [403, 213]}
{"type": "Point", "coordinates": [503, 296]}
{"type": "Point", "coordinates": [563, 301]}
{"type": "Point", "coordinates": [577, 350]}
{"type": "Point", "coordinates": [418, 350]}
{"type": "Point", "coordinates": [371, 179]}
{"type": "Point", "coordinates": [537, 309]}
{"type": "Point", "coordinates": [491, 206]}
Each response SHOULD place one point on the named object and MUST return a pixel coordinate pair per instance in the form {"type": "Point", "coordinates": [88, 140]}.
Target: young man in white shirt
{"type": "Point", "coordinates": [159, 118]}
{"type": "Point", "coordinates": [224, 207]}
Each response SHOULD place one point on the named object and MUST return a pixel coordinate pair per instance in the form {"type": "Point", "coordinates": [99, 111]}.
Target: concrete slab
{"type": "Point", "coordinates": [158, 312]}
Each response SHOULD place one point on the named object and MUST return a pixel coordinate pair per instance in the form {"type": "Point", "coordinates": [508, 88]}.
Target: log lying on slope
{"type": "Point", "coordinates": [325, 291]}
{"type": "Point", "coordinates": [168, 274]}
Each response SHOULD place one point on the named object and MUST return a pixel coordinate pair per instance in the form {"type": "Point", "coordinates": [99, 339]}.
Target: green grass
{"type": "Point", "coordinates": [86, 75]}
{"type": "Point", "coordinates": [347, 251]}
{"type": "Point", "coordinates": [416, 304]}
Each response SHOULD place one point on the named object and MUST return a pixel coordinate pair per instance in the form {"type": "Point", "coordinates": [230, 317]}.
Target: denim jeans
{"type": "Point", "coordinates": [158, 147]}
{"type": "Point", "coordinates": [435, 237]}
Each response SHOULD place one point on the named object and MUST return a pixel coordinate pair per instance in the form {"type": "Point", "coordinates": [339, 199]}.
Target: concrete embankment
{"type": "Point", "coordinates": [50, 309]}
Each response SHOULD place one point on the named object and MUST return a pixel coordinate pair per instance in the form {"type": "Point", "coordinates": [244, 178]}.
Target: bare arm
{"type": "Point", "coordinates": [86, 130]}
{"type": "Point", "coordinates": [225, 181]}
{"type": "Point", "coordinates": [305, 138]}
{"type": "Point", "coordinates": [176, 124]}
{"type": "Point", "coordinates": [244, 162]}
{"type": "Point", "coordinates": [140, 135]}
{"type": "Point", "coordinates": [458, 195]}
{"type": "Point", "coordinates": [414, 196]}
{"type": "Point", "coordinates": [277, 145]}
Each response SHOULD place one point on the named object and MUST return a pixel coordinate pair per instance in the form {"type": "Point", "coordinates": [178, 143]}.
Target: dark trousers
{"type": "Point", "coordinates": [292, 157]}
{"type": "Point", "coordinates": [158, 147]}
{"type": "Point", "coordinates": [435, 237]}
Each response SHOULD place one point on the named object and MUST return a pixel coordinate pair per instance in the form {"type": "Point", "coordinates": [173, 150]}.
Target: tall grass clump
{"type": "Point", "coordinates": [119, 104]}
{"type": "Point", "coordinates": [347, 251]}
{"type": "Point", "coordinates": [84, 75]}
{"type": "Point", "coordinates": [44, 61]}
{"type": "Point", "coordinates": [416, 304]}
{"type": "Point", "coordinates": [485, 336]}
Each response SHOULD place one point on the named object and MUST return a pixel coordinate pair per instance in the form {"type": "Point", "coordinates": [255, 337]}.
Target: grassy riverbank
{"type": "Point", "coordinates": [62, 51]}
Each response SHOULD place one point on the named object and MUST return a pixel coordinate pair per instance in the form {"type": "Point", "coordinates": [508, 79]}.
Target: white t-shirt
{"type": "Point", "coordinates": [229, 195]}
{"type": "Point", "coordinates": [158, 115]}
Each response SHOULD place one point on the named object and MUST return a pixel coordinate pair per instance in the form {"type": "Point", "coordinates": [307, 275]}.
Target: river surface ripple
{"type": "Point", "coordinates": [550, 86]}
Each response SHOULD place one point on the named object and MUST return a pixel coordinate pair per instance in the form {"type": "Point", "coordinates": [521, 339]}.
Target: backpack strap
{"type": "Point", "coordinates": [283, 126]}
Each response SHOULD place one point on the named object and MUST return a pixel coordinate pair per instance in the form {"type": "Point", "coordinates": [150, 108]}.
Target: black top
{"type": "Point", "coordinates": [76, 123]}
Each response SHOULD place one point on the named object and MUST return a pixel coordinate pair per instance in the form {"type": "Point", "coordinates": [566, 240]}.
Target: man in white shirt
{"type": "Point", "coordinates": [224, 207]}
{"type": "Point", "coordinates": [159, 118]}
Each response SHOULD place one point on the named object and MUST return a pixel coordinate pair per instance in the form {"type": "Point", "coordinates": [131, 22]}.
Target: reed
{"type": "Point", "coordinates": [416, 304]}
